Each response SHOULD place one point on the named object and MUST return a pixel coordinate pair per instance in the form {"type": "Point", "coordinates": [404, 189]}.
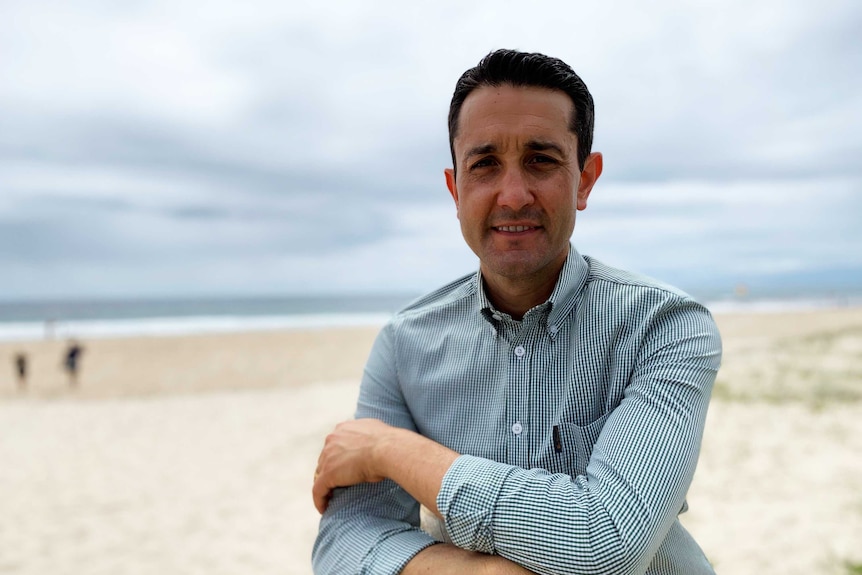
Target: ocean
{"type": "Point", "coordinates": [34, 320]}
{"type": "Point", "coordinates": [95, 318]}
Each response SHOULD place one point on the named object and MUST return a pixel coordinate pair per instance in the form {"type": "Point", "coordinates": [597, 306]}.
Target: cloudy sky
{"type": "Point", "coordinates": [170, 148]}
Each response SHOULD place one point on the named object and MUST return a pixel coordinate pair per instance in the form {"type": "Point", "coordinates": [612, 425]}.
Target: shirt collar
{"type": "Point", "coordinates": [572, 278]}
{"type": "Point", "coordinates": [484, 304]}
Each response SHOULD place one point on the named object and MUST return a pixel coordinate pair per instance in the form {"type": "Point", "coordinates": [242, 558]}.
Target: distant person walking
{"type": "Point", "coordinates": [73, 357]}
{"type": "Point", "coordinates": [21, 370]}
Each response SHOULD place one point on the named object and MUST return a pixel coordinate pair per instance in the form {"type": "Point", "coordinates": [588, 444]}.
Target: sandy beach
{"type": "Point", "coordinates": [195, 454]}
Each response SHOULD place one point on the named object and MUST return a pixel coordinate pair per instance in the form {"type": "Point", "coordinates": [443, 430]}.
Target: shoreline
{"type": "Point", "coordinates": [159, 364]}
{"type": "Point", "coordinates": [146, 366]}
{"type": "Point", "coordinates": [205, 324]}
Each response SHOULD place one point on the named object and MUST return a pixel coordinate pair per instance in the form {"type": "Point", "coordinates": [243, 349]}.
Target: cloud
{"type": "Point", "coordinates": [156, 147]}
{"type": "Point", "coordinates": [725, 229]}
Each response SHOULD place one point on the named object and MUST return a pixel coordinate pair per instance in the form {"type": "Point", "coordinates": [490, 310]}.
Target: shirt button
{"type": "Point", "coordinates": [552, 328]}
{"type": "Point", "coordinates": [520, 351]}
{"type": "Point", "coordinates": [517, 428]}
{"type": "Point", "coordinates": [497, 316]}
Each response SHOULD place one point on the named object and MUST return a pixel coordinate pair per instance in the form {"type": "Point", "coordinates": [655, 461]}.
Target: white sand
{"type": "Point", "coordinates": [210, 484]}
{"type": "Point", "coordinates": [195, 455]}
{"type": "Point", "coordinates": [779, 489]}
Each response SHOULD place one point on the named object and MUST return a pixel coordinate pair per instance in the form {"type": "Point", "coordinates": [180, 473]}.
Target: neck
{"type": "Point", "coordinates": [517, 296]}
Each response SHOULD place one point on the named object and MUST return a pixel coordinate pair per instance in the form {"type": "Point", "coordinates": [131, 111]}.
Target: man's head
{"type": "Point", "coordinates": [521, 131]}
{"type": "Point", "coordinates": [508, 67]}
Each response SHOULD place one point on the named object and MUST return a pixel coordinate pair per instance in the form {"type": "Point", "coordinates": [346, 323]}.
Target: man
{"type": "Point", "coordinates": [21, 369]}
{"type": "Point", "coordinates": [548, 409]}
{"type": "Point", "coordinates": [73, 356]}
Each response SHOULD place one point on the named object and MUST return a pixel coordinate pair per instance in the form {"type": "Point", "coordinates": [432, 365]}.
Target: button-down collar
{"type": "Point", "coordinates": [559, 305]}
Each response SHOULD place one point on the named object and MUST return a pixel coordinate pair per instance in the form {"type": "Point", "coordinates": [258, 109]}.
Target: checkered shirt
{"type": "Point", "coordinates": [579, 427]}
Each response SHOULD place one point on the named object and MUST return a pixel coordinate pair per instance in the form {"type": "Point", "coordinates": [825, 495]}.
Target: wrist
{"type": "Point", "coordinates": [383, 450]}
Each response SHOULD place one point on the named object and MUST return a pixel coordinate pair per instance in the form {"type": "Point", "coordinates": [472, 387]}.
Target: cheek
{"type": "Point", "coordinates": [469, 207]}
{"type": "Point", "coordinates": [564, 214]}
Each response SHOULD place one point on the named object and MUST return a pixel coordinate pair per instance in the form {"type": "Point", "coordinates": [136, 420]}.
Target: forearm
{"type": "Point", "coordinates": [369, 451]}
{"type": "Point", "coordinates": [414, 462]}
{"type": "Point", "coordinates": [445, 559]}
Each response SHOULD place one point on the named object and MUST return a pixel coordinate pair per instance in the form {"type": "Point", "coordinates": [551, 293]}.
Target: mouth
{"type": "Point", "coordinates": [515, 229]}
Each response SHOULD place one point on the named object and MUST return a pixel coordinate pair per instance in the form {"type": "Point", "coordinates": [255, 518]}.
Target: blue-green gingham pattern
{"type": "Point", "coordinates": [621, 365]}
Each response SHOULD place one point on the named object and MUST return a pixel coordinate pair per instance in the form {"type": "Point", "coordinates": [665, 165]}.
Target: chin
{"type": "Point", "coordinates": [515, 267]}
{"type": "Point", "coordinates": [516, 264]}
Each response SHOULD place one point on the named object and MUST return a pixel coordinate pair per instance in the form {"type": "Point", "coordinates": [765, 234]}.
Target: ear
{"type": "Point", "coordinates": [591, 172]}
{"type": "Point", "coordinates": [450, 183]}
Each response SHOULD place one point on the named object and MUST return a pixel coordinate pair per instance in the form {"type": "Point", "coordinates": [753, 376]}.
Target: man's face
{"type": "Point", "coordinates": [518, 185]}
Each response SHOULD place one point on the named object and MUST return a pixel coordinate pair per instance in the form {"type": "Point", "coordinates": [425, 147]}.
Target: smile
{"type": "Point", "coordinates": [515, 228]}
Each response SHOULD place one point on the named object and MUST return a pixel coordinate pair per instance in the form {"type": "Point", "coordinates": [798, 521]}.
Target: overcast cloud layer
{"type": "Point", "coordinates": [158, 148]}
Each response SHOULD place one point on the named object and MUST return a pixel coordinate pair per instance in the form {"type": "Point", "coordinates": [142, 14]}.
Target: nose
{"type": "Point", "coordinates": [514, 192]}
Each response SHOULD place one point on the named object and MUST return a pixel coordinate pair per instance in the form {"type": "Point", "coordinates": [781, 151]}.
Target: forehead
{"type": "Point", "coordinates": [492, 112]}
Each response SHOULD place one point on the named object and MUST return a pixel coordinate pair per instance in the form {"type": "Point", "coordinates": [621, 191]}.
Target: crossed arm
{"type": "Point", "coordinates": [507, 519]}
{"type": "Point", "coordinates": [369, 451]}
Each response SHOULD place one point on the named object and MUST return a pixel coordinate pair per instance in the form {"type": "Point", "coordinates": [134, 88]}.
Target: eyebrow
{"type": "Point", "coordinates": [545, 145]}
{"type": "Point", "coordinates": [480, 150]}
{"type": "Point", "coordinates": [535, 145]}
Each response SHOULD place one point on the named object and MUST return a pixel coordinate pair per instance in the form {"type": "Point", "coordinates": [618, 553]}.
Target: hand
{"type": "Point", "coordinates": [443, 559]}
{"type": "Point", "coordinates": [348, 458]}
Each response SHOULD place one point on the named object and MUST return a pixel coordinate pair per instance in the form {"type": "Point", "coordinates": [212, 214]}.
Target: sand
{"type": "Point", "coordinates": [195, 454]}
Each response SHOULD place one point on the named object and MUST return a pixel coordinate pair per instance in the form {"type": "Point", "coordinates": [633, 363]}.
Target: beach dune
{"type": "Point", "coordinates": [195, 454]}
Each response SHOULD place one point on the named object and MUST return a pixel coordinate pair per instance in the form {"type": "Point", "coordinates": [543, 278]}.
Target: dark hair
{"type": "Point", "coordinates": [524, 69]}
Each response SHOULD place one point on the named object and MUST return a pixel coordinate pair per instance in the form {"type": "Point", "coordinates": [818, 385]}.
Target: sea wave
{"type": "Point", "coordinates": [175, 326]}
{"type": "Point", "coordinates": [212, 324]}
{"type": "Point", "coordinates": [742, 305]}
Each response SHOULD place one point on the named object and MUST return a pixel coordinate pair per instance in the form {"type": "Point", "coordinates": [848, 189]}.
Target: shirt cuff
{"type": "Point", "coordinates": [467, 499]}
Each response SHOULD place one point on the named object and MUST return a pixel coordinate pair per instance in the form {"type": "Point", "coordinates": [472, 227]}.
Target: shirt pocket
{"type": "Point", "coordinates": [568, 449]}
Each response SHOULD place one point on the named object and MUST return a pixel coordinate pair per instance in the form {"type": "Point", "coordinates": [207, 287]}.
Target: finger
{"type": "Point", "coordinates": [320, 492]}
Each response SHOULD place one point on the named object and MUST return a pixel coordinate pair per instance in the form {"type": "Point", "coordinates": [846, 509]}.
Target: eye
{"type": "Point", "coordinates": [483, 163]}
{"type": "Point", "coordinates": [540, 159]}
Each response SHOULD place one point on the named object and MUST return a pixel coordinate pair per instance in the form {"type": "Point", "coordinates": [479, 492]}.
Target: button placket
{"type": "Point", "coordinates": [518, 389]}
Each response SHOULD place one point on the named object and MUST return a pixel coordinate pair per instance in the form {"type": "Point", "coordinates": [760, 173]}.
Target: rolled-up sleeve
{"type": "Point", "coordinates": [369, 529]}
{"type": "Point", "coordinates": [372, 528]}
